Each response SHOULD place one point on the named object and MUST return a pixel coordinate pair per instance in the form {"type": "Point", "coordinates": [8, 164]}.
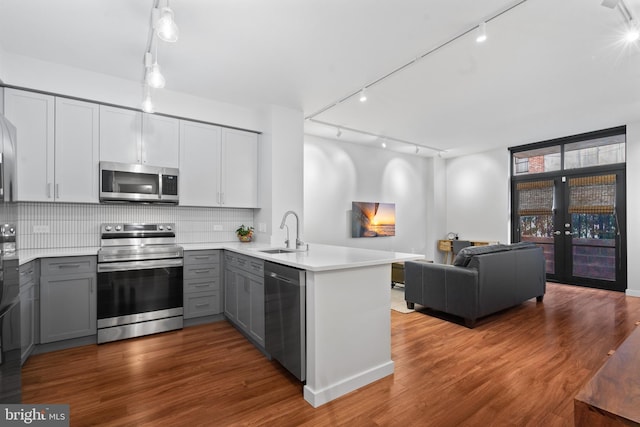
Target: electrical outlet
{"type": "Point", "coordinates": [41, 229]}
{"type": "Point", "coordinates": [217, 227]}
{"type": "Point", "coordinates": [262, 227]}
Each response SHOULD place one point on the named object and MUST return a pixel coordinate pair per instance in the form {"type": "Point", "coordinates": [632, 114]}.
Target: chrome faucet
{"type": "Point", "coordinates": [299, 243]}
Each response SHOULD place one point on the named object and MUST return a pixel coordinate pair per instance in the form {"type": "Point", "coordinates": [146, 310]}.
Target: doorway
{"type": "Point", "coordinates": [576, 214]}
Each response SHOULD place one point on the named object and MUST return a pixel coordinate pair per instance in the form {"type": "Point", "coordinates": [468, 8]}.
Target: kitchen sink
{"type": "Point", "coordinates": [277, 251]}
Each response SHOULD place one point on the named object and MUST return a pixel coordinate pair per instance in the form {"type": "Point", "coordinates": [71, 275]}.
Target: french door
{"type": "Point", "coordinates": [578, 218]}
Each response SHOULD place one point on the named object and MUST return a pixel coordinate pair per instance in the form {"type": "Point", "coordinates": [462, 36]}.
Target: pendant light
{"type": "Point", "coordinates": [166, 27]}
{"type": "Point", "coordinates": [154, 77]}
{"type": "Point", "coordinates": [147, 104]}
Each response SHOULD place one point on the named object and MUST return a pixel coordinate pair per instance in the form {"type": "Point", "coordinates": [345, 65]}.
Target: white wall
{"type": "Point", "coordinates": [2, 62]}
{"type": "Point", "coordinates": [337, 173]}
{"type": "Point", "coordinates": [477, 201]}
{"type": "Point", "coordinates": [633, 207]}
{"type": "Point", "coordinates": [281, 172]}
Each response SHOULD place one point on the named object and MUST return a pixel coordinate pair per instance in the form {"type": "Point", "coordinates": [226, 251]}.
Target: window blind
{"type": "Point", "coordinates": [535, 197]}
{"type": "Point", "coordinates": [592, 194]}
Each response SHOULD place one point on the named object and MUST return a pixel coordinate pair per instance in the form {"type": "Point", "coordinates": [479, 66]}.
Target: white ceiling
{"type": "Point", "coordinates": [549, 68]}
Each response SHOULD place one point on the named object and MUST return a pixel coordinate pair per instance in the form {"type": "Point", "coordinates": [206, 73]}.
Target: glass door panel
{"type": "Point", "coordinates": [579, 222]}
{"type": "Point", "coordinates": [593, 244]}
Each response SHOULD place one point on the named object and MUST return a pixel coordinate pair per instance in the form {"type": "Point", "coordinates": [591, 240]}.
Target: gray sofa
{"type": "Point", "coordinates": [482, 280]}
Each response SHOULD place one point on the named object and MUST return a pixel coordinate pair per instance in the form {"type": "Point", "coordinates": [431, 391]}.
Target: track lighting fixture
{"type": "Point", "coordinates": [633, 30]}
{"type": "Point", "coordinates": [339, 133]}
{"type": "Point", "coordinates": [165, 25]}
{"type": "Point", "coordinates": [384, 144]}
{"type": "Point", "coordinates": [417, 149]}
{"type": "Point", "coordinates": [482, 33]}
{"type": "Point", "coordinates": [363, 95]}
{"type": "Point", "coordinates": [633, 33]}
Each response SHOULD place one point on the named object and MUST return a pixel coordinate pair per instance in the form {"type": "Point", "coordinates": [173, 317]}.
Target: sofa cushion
{"type": "Point", "coordinates": [464, 256]}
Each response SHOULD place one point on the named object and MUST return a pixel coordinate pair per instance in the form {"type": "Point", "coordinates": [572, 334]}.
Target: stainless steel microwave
{"type": "Point", "coordinates": [121, 182]}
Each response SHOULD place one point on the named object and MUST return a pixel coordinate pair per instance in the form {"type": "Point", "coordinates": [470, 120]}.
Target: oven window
{"type": "Point", "coordinates": [121, 293]}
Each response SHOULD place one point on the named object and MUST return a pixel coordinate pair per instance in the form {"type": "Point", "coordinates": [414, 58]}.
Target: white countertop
{"type": "Point", "coordinates": [319, 257]}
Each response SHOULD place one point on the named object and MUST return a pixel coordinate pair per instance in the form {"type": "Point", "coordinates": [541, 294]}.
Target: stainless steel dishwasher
{"type": "Point", "coordinates": [285, 317]}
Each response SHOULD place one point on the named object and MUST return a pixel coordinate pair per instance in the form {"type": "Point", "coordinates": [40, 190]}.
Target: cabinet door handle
{"type": "Point", "coordinates": [202, 305]}
{"type": "Point", "coordinates": [201, 257]}
{"type": "Point", "coordinates": [205, 285]}
{"type": "Point", "coordinates": [201, 271]}
{"type": "Point", "coordinates": [57, 191]}
{"type": "Point", "coordinates": [48, 190]}
{"type": "Point", "coordinates": [69, 266]}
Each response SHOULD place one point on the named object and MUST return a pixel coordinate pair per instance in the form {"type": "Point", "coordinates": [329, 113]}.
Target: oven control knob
{"type": "Point", "coordinates": [160, 227]}
{"type": "Point", "coordinates": [118, 228]}
{"type": "Point", "coordinates": [169, 227]}
{"type": "Point", "coordinates": [107, 228]}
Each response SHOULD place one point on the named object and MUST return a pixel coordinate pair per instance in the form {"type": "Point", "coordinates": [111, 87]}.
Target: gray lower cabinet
{"type": "Point", "coordinates": [28, 308]}
{"type": "Point", "coordinates": [67, 298]}
{"type": "Point", "coordinates": [244, 294]}
{"type": "Point", "coordinates": [202, 283]}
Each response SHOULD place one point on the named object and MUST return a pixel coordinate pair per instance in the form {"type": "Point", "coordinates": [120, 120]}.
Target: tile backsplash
{"type": "Point", "coordinates": [66, 225]}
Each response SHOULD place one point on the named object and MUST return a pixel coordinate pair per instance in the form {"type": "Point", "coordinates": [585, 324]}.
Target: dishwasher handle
{"type": "Point", "coordinates": [279, 277]}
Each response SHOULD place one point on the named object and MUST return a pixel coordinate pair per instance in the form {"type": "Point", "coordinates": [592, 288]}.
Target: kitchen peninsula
{"type": "Point", "coordinates": [348, 319]}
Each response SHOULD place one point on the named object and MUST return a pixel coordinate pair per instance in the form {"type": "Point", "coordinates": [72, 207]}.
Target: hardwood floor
{"type": "Point", "coordinates": [520, 367]}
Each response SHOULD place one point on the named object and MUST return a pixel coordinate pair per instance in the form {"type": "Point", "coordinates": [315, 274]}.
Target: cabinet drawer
{"type": "Point", "coordinates": [231, 258]}
{"type": "Point", "coordinates": [202, 257]}
{"type": "Point", "coordinates": [200, 271]}
{"type": "Point", "coordinates": [203, 284]}
{"type": "Point", "coordinates": [201, 304]}
{"type": "Point", "coordinates": [255, 266]}
{"type": "Point", "coordinates": [67, 265]}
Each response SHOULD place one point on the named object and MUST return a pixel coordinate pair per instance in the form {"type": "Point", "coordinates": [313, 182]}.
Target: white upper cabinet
{"type": "Point", "coordinates": [199, 181]}
{"type": "Point", "coordinates": [218, 166]}
{"type": "Point", "coordinates": [120, 135]}
{"type": "Point", "coordinates": [160, 141]}
{"type": "Point", "coordinates": [76, 151]}
{"type": "Point", "coordinates": [239, 179]}
{"type": "Point", "coordinates": [128, 136]}
{"type": "Point", "coordinates": [56, 147]}
{"type": "Point", "coordinates": [33, 116]}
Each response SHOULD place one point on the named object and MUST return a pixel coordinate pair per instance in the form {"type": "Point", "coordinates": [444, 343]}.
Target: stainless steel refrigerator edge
{"type": "Point", "coordinates": [285, 317]}
{"type": "Point", "coordinates": [7, 160]}
{"type": "Point", "coordinates": [10, 352]}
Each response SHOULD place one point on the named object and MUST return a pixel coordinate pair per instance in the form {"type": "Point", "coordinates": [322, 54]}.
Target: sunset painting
{"type": "Point", "coordinates": [372, 219]}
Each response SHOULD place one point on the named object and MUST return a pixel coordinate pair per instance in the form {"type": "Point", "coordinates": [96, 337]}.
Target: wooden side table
{"type": "Point", "coordinates": [397, 271]}
{"type": "Point", "coordinates": [446, 246]}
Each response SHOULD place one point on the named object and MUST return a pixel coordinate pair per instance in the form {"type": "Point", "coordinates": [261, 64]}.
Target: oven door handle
{"type": "Point", "coordinates": [139, 265]}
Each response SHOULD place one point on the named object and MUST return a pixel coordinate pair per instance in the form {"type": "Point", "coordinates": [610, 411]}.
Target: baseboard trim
{"type": "Point", "coordinates": [320, 397]}
{"type": "Point", "coordinates": [633, 293]}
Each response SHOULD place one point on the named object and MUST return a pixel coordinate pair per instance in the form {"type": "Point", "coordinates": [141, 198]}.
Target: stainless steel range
{"type": "Point", "coordinates": [139, 281]}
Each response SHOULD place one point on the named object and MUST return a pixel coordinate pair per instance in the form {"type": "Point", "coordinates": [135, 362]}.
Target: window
{"type": "Point", "coordinates": [595, 152]}
{"type": "Point", "coordinates": [600, 148]}
{"type": "Point", "coordinates": [536, 161]}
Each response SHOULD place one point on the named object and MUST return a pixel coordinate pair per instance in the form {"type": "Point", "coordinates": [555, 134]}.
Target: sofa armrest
{"type": "Point", "coordinates": [442, 287]}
